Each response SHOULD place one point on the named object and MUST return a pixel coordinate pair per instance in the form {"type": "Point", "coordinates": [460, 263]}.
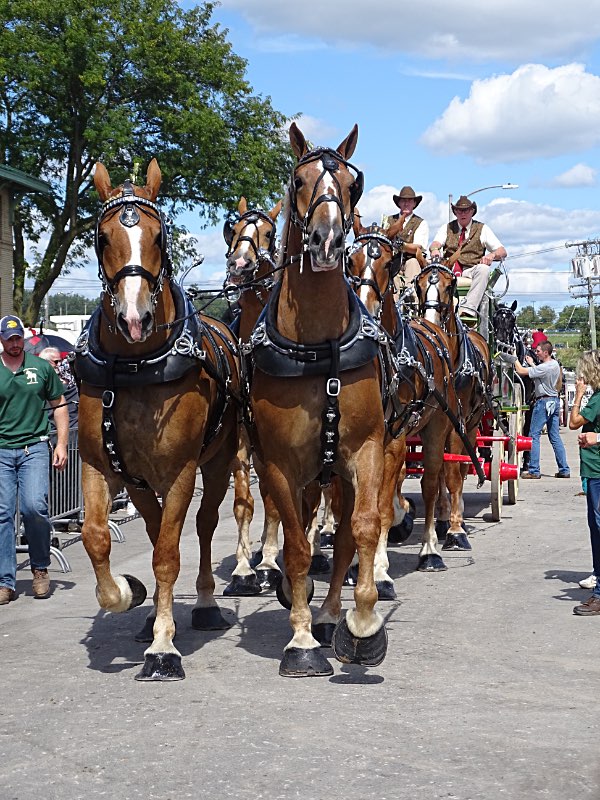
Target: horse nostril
{"type": "Point", "coordinates": [338, 242]}
{"type": "Point", "coordinates": [316, 238]}
{"type": "Point", "coordinates": [146, 320]}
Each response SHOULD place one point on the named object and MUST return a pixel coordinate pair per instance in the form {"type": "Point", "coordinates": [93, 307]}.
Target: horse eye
{"type": "Point", "coordinates": [298, 183]}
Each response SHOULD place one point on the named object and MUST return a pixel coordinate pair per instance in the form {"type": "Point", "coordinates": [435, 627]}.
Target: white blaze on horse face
{"type": "Point", "coordinates": [244, 251]}
{"type": "Point", "coordinates": [132, 284]}
{"type": "Point", "coordinates": [328, 183]}
{"type": "Point", "coordinates": [366, 294]}
{"type": "Point", "coordinates": [432, 296]}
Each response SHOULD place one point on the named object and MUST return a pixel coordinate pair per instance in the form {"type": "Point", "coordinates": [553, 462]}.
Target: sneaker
{"type": "Point", "coordinates": [562, 474]}
{"type": "Point", "coordinates": [130, 509]}
{"type": "Point", "coordinates": [588, 583]}
{"type": "Point", "coordinates": [41, 583]}
{"type": "Point", "coordinates": [6, 595]}
{"type": "Point", "coordinates": [529, 476]}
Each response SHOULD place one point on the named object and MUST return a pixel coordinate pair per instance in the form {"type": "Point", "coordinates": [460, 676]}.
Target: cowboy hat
{"type": "Point", "coordinates": [407, 193]}
{"type": "Point", "coordinates": [464, 202]}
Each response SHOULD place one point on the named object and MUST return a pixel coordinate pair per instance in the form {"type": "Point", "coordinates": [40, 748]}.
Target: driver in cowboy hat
{"type": "Point", "coordinates": [469, 247]}
{"type": "Point", "coordinates": [412, 239]}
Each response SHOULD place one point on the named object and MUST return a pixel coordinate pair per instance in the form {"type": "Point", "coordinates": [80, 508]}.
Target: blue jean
{"type": "Point", "coordinates": [546, 412]}
{"type": "Point", "coordinates": [593, 513]}
{"type": "Point", "coordinates": [24, 471]}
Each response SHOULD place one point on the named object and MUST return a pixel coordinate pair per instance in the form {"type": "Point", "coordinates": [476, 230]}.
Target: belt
{"type": "Point", "coordinates": [547, 397]}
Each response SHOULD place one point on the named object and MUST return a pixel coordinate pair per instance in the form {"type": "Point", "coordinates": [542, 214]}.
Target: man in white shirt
{"type": "Point", "coordinates": [469, 247]}
{"type": "Point", "coordinates": [412, 239]}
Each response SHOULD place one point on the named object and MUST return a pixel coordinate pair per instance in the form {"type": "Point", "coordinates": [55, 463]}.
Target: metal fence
{"type": "Point", "coordinates": [65, 503]}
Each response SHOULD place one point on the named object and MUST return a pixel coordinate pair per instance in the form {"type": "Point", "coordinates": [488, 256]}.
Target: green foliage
{"type": "Point", "coordinates": [545, 317]}
{"type": "Point", "coordinates": [526, 318]}
{"type": "Point", "coordinates": [122, 81]}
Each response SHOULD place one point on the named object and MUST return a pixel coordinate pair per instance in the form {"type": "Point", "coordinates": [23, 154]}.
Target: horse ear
{"type": "Point", "coordinates": [274, 212]}
{"type": "Point", "coordinates": [153, 179]}
{"type": "Point", "coordinates": [242, 206]}
{"type": "Point", "coordinates": [297, 141]}
{"type": "Point", "coordinates": [514, 305]}
{"type": "Point", "coordinates": [357, 225]}
{"type": "Point", "coordinates": [102, 181]}
{"type": "Point", "coordinates": [347, 147]}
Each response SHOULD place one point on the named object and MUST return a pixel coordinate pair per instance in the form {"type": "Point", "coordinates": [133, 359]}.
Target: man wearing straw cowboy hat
{"type": "Point", "coordinates": [413, 237]}
{"type": "Point", "coordinates": [469, 247]}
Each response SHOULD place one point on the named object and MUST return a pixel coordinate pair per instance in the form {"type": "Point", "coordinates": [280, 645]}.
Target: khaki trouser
{"type": "Point", "coordinates": [409, 271]}
{"type": "Point", "coordinates": [479, 275]}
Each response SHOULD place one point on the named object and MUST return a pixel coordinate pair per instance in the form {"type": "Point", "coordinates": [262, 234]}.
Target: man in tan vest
{"type": "Point", "coordinates": [469, 247]}
{"type": "Point", "coordinates": [412, 239]}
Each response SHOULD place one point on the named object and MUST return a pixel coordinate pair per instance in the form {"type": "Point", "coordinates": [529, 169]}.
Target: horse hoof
{"type": "Point", "coordinates": [161, 667]}
{"type": "Point", "coordinates": [146, 634]}
{"type": "Point", "coordinates": [400, 533]}
{"type": "Point", "coordinates": [349, 649]}
{"type": "Point", "coordinates": [385, 590]}
{"type": "Point", "coordinates": [242, 586]}
{"type": "Point", "coordinates": [286, 602]}
{"type": "Point", "coordinates": [323, 633]}
{"type": "Point", "coordinates": [319, 564]}
{"type": "Point", "coordinates": [431, 563]}
{"type": "Point", "coordinates": [300, 663]}
{"type": "Point", "coordinates": [457, 541]}
{"type": "Point", "coordinates": [442, 526]}
{"type": "Point", "coordinates": [209, 618]}
{"type": "Point", "coordinates": [327, 539]}
{"type": "Point", "coordinates": [256, 559]}
{"type": "Point", "coordinates": [268, 578]}
{"type": "Point", "coordinates": [138, 591]}
{"type": "Point", "coordinates": [351, 575]}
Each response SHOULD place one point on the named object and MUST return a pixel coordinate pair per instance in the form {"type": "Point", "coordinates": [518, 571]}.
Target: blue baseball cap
{"type": "Point", "coordinates": [11, 326]}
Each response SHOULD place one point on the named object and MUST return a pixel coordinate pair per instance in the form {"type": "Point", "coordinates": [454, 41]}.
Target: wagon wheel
{"type": "Point", "coordinates": [515, 427]}
{"type": "Point", "coordinates": [496, 483]}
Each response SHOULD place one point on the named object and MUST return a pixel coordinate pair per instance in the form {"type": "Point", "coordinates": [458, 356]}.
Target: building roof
{"type": "Point", "coordinates": [16, 177]}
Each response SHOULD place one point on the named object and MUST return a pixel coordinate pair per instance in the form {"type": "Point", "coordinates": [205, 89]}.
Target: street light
{"type": "Point", "coordinates": [483, 189]}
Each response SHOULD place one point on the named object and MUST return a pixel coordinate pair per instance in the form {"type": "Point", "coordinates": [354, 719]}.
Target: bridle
{"type": "Point", "coordinates": [331, 160]}
{"type": "Point", "coordinates": [130, 206]}
{"type": "Point", "coordinates": [373, 240]}
{"type": "Point", "coordinates": [250, 218]}
{"type": "Point", "coordinates": [433, 272]}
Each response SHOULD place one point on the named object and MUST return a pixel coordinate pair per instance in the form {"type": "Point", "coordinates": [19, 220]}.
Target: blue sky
{"type": "Point", "coordinates": [448, 98]}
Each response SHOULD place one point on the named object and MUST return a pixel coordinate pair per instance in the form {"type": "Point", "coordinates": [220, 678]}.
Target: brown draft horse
{"type": "Point", "coordinates": [158, 381]}
{"type": "Point", "coordinates": [314, 416]}
{"type": "Point", "coordinates": [423, 393]}
{"type": "Point", "coordinates": [436, 286]}
{"type": "Point", "coordinates": [251, 241]}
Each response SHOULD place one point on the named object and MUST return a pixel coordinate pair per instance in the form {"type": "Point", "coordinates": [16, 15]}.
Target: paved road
{"type": "Point", "coordinates": [489, 689]}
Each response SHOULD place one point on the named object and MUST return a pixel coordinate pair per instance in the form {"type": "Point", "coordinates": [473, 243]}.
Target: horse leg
{"type": "Point", "coordinates": [243, 579]}
{"type": "Point", "coordinates": [302, 657]}
{"type": "Point", "coordinates": [265, 560]}
{"type": "Point", "coordinates": [361, 638]}
{"type": "Point", "coordinates": [403, 521]}
{"type": "Point", "coordinates": [430, 559]}
{"type": "Point", "coordinates": [206, 615]}
{"type": "Point", "coordinates": [162, 660]}
{"type": "Point", "coordinates": [114, 593]}
{"type": "Point", "coordinates": [328, 517]}
{"type": "Point", "coordinates": [393, 463]}
{"type": "Point", "coordinates": [456, 536]}
{"type": "Point", "coordinates": [319, 563]}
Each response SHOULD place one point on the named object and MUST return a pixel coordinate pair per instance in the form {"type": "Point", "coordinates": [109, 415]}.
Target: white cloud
{"type": "Point", "coordinates": [514, 30]}
{"type": "Point", "coordinates": [531, 113]}
{"type": "Point", "coordinates": [579, 175]}
{"type": "Point", "coordinates": [315, 130]}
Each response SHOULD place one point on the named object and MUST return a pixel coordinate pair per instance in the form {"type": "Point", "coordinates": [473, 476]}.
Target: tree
{"type": "Point", "coordinates": [122, 81]}
{"type": "Point", "coordinates": [526, 318]}
{"type": "Point", "coordinates": [545, 317]}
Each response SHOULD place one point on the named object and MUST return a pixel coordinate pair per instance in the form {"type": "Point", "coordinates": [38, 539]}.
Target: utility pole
{"type": "Point", "coordinates": [585, 278]}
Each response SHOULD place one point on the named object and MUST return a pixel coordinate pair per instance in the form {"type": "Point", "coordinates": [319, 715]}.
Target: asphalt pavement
{"type": "Point", "coordinates": [489, 688]}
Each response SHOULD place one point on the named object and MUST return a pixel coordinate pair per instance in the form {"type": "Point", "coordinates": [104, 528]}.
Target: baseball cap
{"type": "Point", "coordinates": [11, 326]}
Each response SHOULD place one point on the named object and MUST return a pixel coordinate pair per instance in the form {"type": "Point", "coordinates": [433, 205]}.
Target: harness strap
{"type": "Point", "coordinates": [330, 434]}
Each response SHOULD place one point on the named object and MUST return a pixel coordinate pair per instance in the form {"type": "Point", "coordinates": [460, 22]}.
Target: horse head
{"type": "Point", "coordinates": [251, 240]}
{"type": "Point", "coordinates": [369, 265]}
{"type": "Point", "coordinates": [504, 324]}
{"type": "Point", "coordinates": [323, 192]}
{"type": "Point", "coordinates": [435, 287]}
{"type": "Point", "coordinates": [133, 249]}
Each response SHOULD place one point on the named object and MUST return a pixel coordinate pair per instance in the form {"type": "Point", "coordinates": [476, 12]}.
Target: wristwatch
{"type": "Point", "coordinates": [598, 438]}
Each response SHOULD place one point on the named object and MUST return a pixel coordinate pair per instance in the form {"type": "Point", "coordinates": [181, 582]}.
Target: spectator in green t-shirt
{"type": "Point", "coordinates": [27, 385]}
{"type": "Point", "coordinates": [588, 418]}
